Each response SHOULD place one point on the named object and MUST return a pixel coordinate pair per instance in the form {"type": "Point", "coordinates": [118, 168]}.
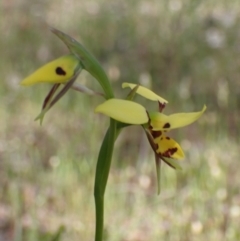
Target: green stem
{"type": "Point", "coordinates": [101, 177]}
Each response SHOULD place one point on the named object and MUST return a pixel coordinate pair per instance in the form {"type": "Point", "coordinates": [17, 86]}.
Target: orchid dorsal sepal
{"type": "Point", "coordinates": [160, 121]}
{"type": "Point", "coordinates": [145, 92]}
{"type": "Point", "coordinates": [57, 71]}
{"type": "Point", "coordinates": [125, 111]}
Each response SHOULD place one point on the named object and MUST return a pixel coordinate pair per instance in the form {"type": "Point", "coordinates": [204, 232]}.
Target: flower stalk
{"type": "Point", "coordinates": [90, 63]}
{"type": "Point", "coordinates": [101, 177]}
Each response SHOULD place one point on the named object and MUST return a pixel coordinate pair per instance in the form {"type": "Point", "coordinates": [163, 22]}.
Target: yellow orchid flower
{"type": "Point", "coordinates": [155, 123]}
{"type": "Point", "coordinates": [63, 70]}
{"type": "Point", "coordinates": [132, 113]}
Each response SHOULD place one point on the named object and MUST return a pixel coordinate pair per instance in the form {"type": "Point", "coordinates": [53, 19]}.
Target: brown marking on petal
{"type": "Point", "coordinates": [173, 150]}
{"type": "Point", "coordinates": [60, 71]}
{"type": "Point", "coordinates": [161, 138]}
{"type": "Point", "coordinates": [167, 125]}
{"type": "Point", "coordinates": [167, 138]}
{"type": "Point", "coordinates": [156, 134]}
{"type": "Point", "coordinates": [170, 152]}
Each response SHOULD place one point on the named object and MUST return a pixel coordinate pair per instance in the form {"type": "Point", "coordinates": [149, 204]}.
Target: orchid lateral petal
{"type": "Point", "coordinates": [167, 147]}
{"type": "Point", "coordinates": [160, 121]}
{"type": "Point", "coordinates": [145, 92]}
{"type": "Point", "coordinates": [57, 71]}
{"type": "Point", "coordinates": [124, 111]}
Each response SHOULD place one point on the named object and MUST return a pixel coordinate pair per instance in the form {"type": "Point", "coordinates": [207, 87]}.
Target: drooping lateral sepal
{"type": "Point", "coordinates": [53, 96]}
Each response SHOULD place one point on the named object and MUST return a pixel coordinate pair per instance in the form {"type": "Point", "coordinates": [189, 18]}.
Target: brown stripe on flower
{"type": "Point", "coordinates": [170, 152]}
{"type": "Point", "coordinates": [156, 134]}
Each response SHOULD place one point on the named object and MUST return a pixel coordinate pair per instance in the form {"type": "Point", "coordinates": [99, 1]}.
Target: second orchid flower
{"type": "Point", "coordinates": [155, 124]}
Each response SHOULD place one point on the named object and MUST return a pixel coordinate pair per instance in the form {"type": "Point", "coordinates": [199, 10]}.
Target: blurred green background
{"type": "Point", "coordinates": [185, 50]}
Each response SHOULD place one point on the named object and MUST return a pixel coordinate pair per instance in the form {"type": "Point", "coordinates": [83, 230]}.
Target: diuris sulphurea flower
{"type": "Point", "coordinates": [63, 70]}
{"type": "Point", "coordinates": [155, 124]}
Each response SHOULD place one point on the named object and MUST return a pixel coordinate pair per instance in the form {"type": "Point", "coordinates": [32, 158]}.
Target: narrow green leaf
{"type": "Point", "coordinates": [101, 176]}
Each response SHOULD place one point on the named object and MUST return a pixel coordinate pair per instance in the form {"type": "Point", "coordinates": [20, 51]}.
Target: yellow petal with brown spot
{"type": "Point", "coordinates": [56, 71]}
{"type": "Point", "coordinates": [167, 147]}
{"type": "Point", "coordinates": [160, 121]}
